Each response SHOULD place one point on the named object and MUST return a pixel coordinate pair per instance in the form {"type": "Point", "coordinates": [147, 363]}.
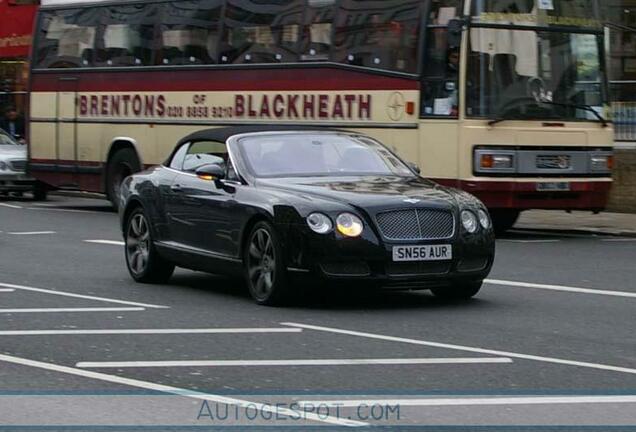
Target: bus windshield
{"type": "Point", "coordinates": [511, 71]}
{"type": "Point", "coordinates": [517, 70]}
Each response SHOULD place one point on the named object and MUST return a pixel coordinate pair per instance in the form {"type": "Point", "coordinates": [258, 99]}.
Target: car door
{"type": "Point", "coordinates": [202, 209]}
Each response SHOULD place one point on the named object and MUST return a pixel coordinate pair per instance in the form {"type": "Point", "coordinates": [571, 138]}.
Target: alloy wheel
{"type": "Point", "coordinates": [261, 263]}
{"type": "Point", "coordinates": [138, 243]}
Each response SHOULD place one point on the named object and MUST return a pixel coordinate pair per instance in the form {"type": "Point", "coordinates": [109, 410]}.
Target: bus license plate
{"type": "Point", "coordinates": [422, 253]}
{"type": "Point", "coordinates": [553, 187]}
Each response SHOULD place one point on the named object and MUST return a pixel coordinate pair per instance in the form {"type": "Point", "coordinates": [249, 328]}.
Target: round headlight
{"type": "Point", "coordinates": [3, 165]}
{"type": "Point", "coordinates": [469, 221]}
{"type": "Point", "coordinates": [484, 219]}
{"type": "Point", "coordinates": [349, 225]}
{"type": "Point", "coordinates": [319, 223]}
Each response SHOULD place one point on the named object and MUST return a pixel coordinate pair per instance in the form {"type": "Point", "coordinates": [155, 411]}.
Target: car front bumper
{"type": "Point", "coordinates": [16, 183]}
{"type": "Point", "coordinates": [370, 261]}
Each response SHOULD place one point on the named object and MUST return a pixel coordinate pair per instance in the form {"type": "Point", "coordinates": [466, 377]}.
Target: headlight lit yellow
{"type": "Point", "coordinates": [349, 225]}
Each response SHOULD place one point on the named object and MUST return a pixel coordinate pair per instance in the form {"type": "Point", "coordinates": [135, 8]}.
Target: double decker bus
{"type": "Point", "coordinates": [505, 99]}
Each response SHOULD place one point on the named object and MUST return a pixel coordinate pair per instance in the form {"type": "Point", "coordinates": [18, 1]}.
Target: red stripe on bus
{"type": "Point", "coordinates": [320, 79]}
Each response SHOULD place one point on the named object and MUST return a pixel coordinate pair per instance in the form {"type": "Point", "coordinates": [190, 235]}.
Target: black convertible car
{"type": "Point", "coordinates": [275, 205]}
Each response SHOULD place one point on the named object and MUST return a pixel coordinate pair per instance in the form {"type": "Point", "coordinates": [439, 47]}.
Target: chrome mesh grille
{"type": "Point", "coordinates": [18, 165]}
{"type": "Point", "coordinates": [416, 224]}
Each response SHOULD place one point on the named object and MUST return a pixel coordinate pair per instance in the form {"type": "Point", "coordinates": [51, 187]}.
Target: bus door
{"type": "Point", "coordinates": [66, 131]}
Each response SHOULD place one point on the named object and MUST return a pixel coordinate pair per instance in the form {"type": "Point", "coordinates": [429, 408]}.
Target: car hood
{"type": "Point", "coordinates": [12, 151]}
{"type": "Point", "coordinates": [371, 193]}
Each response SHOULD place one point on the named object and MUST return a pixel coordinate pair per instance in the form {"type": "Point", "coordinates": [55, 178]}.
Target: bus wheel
{"type": "Point", "coordinates": [122, 164]}
{"type": "Point", "coordinates": [504, 219]}
{"type": "Point", "coordinates": [40, 192]}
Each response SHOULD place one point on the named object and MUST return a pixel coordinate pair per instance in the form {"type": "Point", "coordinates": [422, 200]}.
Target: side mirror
{"type": "Point", "coordinates": [211, 172]}
{"type": "Point", "coordinates": [455, 29]}
{"type": "Point", "coordinates": [414, 167]}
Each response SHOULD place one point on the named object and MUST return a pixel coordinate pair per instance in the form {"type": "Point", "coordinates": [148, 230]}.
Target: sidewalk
{"type": "Point", "coordinates": [604, 223]}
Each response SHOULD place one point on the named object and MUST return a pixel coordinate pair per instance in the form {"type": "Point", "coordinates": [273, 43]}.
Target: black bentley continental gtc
{"type": "Point", "coordinates": [276, 205]}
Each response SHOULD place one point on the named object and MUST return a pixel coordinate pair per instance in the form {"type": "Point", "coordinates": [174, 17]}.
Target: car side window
{"type": "Point", "coordinates": [178, 158]}
{"type": "Point", "coordinates": [205, 153]}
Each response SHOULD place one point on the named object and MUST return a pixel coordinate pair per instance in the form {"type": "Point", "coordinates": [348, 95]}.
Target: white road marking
{"type": "Point", "coordinates": [69, 310]}
{"type": "Point", "coordinates": [82, 296]}
{"type": "Point", "coordinates": [3, 290]}
{"type": "Point", "coordinates": [465, 348]}
{"type": "Point", "coordinates": [477, 401]}
{"type": "Point", "coordinates": [591, 234]}
{"type": "Point", "coordinates": [32, 233]}
{"type": "Point", "coordinates": [149, 331]}
{"type": "Point", "coordinates": [530, 241]}
{"type": "Point", "coordinates": [312, 362]}
{"type": "Point", "coordinates": [10, 206]}
{"type": "Point", "coordinates": [106, 242]}
{"type": "Point", "coordinates": [561, 288]}
{"type": "Point", "coordinates": [294, 414]}
{"type": "Point", "coordinates": [65, 210]}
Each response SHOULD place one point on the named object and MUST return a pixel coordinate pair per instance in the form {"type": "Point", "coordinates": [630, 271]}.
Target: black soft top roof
{"type": "Point", "coordinates": [224, 133]}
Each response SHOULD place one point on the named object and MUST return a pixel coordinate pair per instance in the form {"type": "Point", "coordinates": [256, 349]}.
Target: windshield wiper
{"type": "Point", "coordinates": [589, 108]}
{"type": "Point", "coordinates": [507, 107]}
{"type": "Point", "coordinates": [583, 107]}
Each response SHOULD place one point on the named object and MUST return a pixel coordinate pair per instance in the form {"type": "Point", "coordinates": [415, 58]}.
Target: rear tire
{"type": "Point", "coordinates": [459, 291]}
{"type": "Point", "coordinates": [122, 164]}
{"type": "Point", "coordinates": [40, 192]}
{"type": "Point", "coordinates": [265, 270]}
{"type": "Point", "coordinates": [503, 219]}
{"type": "Point", "coordinates": [144, 263]}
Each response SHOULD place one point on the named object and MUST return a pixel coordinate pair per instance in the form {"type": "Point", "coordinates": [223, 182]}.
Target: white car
{"type": "Point", "coordinates": [13, 164]}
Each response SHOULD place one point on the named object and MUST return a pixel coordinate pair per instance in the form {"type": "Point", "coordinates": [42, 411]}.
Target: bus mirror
{"type": "Point", "coordinates": [455, 29]}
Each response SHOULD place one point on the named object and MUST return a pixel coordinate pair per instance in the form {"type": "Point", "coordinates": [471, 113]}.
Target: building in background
{"type": "Point", "coordinates": [16, 27]}
{"type": "Point", "coordinates": [621, 19]}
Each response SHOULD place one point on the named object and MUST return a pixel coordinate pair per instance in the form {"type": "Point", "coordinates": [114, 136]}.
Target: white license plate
{"type": "Point", "coordinates": [423, 253]}
{"type": "Point", "coordinates": [553, 187]}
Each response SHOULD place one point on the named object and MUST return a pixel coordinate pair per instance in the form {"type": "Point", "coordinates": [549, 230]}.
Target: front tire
{"type": "Point", "coordinates": [144, 263]}
{"type": "Point", "coordinates": [121, 165]}
{"type": "Point", "coordinates": [265, 271]}
{"type": "Point", "coordinates": [503, 219]}
{"type": "Point", "coordinates": [459, 291]}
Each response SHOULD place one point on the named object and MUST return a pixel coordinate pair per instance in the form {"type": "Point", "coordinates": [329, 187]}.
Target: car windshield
{"type": "Point", "coordinates": [6, 140]}
{"type": "Point", "coordinates": [317, 155]}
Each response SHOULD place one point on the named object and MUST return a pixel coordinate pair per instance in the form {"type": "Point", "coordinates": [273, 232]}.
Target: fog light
{"type": "Point", "coordinates": [349, 225]}
{"type": "Point", "coordinates": [469, 221]}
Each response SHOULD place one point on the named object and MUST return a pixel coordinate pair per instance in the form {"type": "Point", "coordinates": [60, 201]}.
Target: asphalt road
{"type": "Point", "coordinates": [550, 341]}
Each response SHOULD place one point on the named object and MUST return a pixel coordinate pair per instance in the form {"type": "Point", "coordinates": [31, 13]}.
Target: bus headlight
{"type": "Point", "coordinates": [319, 223]}
{"type": "Point", "coordinates": [469, 221]}
{"type": "Point", "coordinates": [349, 225]}
{"type": "Point", "coordinates": [494, 161]}
{"type": "Point", "coordinates": [601, 163]}
{"type": "Point", "coordinates": [498, 161]}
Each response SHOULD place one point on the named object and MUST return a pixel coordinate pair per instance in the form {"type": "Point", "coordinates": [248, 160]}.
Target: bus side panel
{"type": "Point", "coordinates": [439, 152]}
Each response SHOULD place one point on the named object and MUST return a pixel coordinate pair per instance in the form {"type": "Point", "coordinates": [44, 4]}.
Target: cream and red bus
{"type": "Point", "coordinates": [503, 98]}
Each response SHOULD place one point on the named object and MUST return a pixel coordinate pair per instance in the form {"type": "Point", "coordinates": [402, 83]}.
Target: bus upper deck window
{"type": "Point", "coordinates": [267, 32]}
{"type": "Point", "coordinates": [382, 35]}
